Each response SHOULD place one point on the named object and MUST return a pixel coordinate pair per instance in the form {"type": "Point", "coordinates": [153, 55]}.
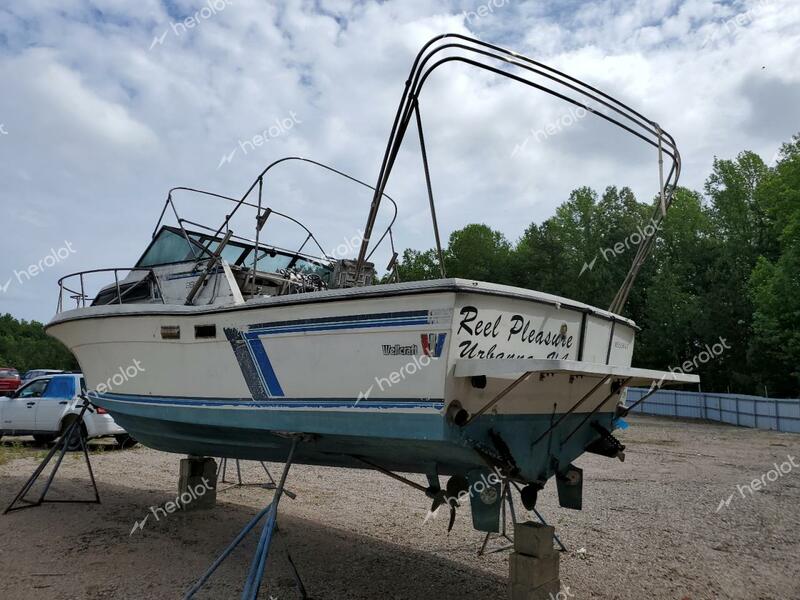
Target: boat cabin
{"type": "Point", "coordinates": [182, 266]}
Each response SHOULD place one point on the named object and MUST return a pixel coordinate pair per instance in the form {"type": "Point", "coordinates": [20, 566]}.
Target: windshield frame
{"type": "Point", "coordinates": [201, 240]}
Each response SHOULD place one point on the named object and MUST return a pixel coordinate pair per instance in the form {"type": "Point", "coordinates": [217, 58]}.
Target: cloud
{"type": "Point", "coordinates": [101, 125]}
{"type": "Point", "coordinates": [75, 109]}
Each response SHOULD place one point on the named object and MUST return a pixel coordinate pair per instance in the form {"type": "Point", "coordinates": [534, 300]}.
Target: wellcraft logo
{"type": "Point", "coordinates": [400, 350]}
{"type": "Point", "coordinates": [432, 344]}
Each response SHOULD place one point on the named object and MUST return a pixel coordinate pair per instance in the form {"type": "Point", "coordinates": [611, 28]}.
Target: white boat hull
{"type": "Point", "coordinates": [366, 373]}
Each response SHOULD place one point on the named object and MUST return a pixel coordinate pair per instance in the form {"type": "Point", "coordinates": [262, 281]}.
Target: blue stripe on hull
{"type": "Point", "coordinates": [256, 367]}
{"type": "Point", "coordinates": [282, 403]}
{"type": "Point", "coordinates": [259, 354]}
{"type": "Point", "coordinates": [412, 317]}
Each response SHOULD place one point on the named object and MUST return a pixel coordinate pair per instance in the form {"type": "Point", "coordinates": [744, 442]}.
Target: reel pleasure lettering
{"type": "Point", "coordinates": [507, 329]}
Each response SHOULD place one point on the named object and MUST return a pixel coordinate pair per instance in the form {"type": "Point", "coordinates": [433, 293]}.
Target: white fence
{"type": "Point", "coordinates": [746, 411]}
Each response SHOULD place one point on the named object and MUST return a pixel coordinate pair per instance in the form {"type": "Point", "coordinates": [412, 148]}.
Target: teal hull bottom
{"type": "Point", "coordinates": [402, 435]}
{"type": "Point", "coordinates": [411, 438]}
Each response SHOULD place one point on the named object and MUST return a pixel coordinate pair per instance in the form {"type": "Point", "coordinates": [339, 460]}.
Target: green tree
{"type": "Point", "coordinates": [474, 252]}
{"type": "Point", "coordinates": [24, 345]}
{"type": "Point", "coordinates": [418, 266]}
{"type": "Point", "coordinates": [774, 348]}
{"type": "Point", "coordinates": [672, 313]}
{"type": "Point", "coordinates": [741, 227]}
{"type": "Point", "coordinates": [478, 252]}
{"type": "Point", "coordinates": [549, 257]}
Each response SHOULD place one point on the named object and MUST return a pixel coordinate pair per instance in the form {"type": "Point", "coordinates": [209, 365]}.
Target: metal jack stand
{"type": "Point", "coordinates": [506, 498]}
{"type": "Point", "coordinates": [256, 573]}
{"type": "Point", "coordinates": [61, 445]}
{"type": "Point", "coordinates": [270, 485]}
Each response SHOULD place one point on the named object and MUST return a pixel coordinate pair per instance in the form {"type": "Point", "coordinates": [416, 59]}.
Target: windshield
{"type": "Point", "coordinates": [8, 373]}
{"type": "Point", "coordinates": [273, 262]}
{"type": "Point", "coordinates": [170, 246]}
{"type": "Point", "coordinates": [232, 252]}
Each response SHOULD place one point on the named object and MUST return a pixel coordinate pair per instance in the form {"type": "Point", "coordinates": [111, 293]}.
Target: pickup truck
{"type": "Point", "coordinates": [46, 406]}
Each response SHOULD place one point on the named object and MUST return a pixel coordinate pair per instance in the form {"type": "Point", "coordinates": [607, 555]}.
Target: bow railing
{"type": "Point", "coordinates": [107, 294]}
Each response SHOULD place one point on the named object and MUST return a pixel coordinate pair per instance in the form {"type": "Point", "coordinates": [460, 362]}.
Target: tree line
{"type": "Point", "coordinates": [725, 265]}
{"type": "Point", "coordinates": [24, 345]}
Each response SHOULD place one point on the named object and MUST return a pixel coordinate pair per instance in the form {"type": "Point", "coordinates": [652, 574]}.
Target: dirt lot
{"type": "Point", "coordinates": [650, 528]}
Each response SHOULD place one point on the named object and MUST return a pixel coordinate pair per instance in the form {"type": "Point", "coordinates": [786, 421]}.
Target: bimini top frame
{"type": "Point", "coordinates": [495, 59]}
{"type": "Point", "coordinates": [264, 212]}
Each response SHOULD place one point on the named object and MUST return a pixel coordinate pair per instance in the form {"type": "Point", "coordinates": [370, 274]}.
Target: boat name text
{"type": "Point", "coordinates": [507, 328]}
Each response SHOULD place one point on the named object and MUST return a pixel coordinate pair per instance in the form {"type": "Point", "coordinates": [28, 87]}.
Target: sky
{"type": "Point", "coordinates": [107, 105]}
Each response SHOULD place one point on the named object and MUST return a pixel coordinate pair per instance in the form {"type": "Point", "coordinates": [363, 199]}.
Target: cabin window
{"type": "Point", "coordinates": [171, 332]}
{"type": "Point", "coordinates": [205, 331]}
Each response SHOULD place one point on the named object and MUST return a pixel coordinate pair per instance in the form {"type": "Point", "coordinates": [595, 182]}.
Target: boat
{"type": "Point", "coordinates": [219, 345]}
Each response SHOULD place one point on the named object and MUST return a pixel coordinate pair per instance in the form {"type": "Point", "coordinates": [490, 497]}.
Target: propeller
{"type": "Point", "coordinates": [530, 494]}
{"type": "Point", "coordinates": [456, 485]}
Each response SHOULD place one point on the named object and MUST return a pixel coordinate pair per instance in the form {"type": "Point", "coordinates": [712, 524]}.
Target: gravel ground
{"type": "Point", "coordinates": [650, 528]}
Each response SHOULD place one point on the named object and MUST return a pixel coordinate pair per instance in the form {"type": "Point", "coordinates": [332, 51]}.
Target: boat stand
{"type": "Point", "coordinates": [256, 572]}
{"type": "Point", "coordinates": [61, 447]}
{"type": "Point", "coordinates": [506, 498]}
{"type": "Point", "coordinates": [270, 485]}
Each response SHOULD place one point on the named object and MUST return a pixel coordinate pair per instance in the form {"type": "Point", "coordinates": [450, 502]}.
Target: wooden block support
{"type": "Point", "coordinates": [531, 571]}
{"type": "Point", "coordinates": [548, 591]}
{"type": "Point", "coordinates": [534, 565]}
{"type": "Point", "coordinates": [197, 483]}
{"type": "Point", "coordinates": [534, 539]}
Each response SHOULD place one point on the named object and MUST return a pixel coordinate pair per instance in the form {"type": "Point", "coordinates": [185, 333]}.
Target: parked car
{"type": "Point", "coordinates": [47, 406]}
{"type": "Point", "coordinates": [9, 380]}
{"type": "Point", "coordinates": [34, 373]}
